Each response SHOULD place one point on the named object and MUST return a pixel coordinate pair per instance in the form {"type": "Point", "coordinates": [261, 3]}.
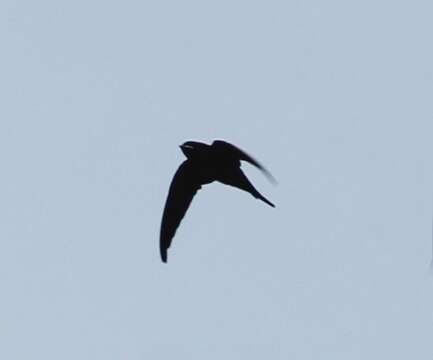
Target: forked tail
{"type": "Point", "coordinates": [261, 197]}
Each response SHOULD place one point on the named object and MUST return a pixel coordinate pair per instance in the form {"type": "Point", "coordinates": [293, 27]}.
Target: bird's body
{"type": "Point", "coordinates": [220, 162]}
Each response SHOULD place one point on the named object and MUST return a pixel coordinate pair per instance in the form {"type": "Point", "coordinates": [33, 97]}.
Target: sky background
{"type": "Point", "coordinates": [334, 98]}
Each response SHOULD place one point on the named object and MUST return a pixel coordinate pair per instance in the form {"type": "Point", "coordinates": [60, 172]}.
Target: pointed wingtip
{"type": "Point", "coordinates": [164, 256]}
{"type": "Point", "coordinates": [242, 155]}
{"type": "Point", "coordinates": [271, 179]}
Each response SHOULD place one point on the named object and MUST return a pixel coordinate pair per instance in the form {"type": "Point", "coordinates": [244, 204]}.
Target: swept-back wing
{"type": "Point", "coordinates": [224, 146]}
{"type": "Point", "coordinates": [183, 187]}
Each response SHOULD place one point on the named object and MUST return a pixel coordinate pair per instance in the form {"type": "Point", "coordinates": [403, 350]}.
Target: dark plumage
{"type": "Point", "coordinates": [221, 162]}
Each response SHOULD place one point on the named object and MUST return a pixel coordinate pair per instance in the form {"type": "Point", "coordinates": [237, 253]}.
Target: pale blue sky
{"type": "Point", "coordinates": [334, 97]}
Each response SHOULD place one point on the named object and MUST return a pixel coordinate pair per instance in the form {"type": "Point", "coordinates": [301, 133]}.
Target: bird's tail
{"type": "Point", "coordinates": [261, 197]}
{"type": "Point", "coordinates": [238, 179]}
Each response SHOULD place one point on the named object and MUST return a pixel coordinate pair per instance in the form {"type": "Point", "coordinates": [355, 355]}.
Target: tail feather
{"type": "Point", "coordinates": [236, 177]}
{"type": "Point", "coordinates": [261, 197]}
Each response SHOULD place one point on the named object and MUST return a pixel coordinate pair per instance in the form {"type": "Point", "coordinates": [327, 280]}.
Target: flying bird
{"type": "Point", "coordinates": [221, 162]}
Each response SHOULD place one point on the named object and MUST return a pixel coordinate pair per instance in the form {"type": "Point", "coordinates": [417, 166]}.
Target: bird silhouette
{"type": "Point", "coordinates": [221, 162]}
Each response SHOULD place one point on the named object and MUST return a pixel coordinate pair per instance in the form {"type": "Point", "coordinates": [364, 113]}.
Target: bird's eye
{"type": "Point", "coordinates": [188, 146]}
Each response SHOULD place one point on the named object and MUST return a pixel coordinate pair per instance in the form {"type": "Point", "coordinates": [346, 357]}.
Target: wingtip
{"type": "Point", "coordinates": [164, 256]}
{"type": "Point", "coordinates": [271, 179]}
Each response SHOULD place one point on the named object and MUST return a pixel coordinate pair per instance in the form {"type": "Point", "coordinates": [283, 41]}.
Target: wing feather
{"type": "Point", "coordinates": [183, 187]}
{"type": "Point", "coordinates": [242, 155]}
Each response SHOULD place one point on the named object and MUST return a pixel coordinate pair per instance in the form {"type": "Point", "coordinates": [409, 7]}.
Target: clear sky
{"type": "Point", "coordinates": [334, 97]}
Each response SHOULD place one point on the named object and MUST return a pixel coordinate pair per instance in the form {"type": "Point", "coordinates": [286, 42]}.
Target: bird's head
{"type": "Point", "coordinates": [193, 149]}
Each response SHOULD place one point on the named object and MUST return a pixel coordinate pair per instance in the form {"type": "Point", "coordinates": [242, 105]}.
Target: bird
{"type": "Point", "coordinates": [204, 164]}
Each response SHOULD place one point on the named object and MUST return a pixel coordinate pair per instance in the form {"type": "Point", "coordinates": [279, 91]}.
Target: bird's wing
{"type": "Point", "coordinates": [183, 187]}
{"type": "Point", "coordinates": [224, 146]}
